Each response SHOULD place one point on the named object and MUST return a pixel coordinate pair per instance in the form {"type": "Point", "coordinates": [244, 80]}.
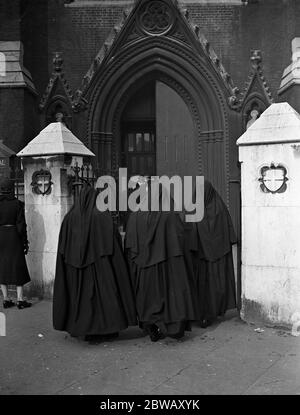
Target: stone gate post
{"type": "Point", "coordinates": [269, 152]}
{"type": "Point", "coordinates": [47, 162]}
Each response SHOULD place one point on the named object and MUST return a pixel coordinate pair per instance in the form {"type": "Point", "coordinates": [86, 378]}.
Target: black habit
{"type": "Point", "coordinates": [93, 294]}
{"type": "Point", "coordinates": [155, 250]}
{"type": "Point", "coordinates": [212, 258]}
{"type": "Point", "coordinates": [13, 241]}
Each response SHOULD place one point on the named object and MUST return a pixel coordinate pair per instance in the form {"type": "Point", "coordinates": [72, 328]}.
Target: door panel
{"type": "Point", "coordinates": [139, 148]}
{"type": "Point", "coordinates": [176, 150]}
{"type": "Point", "coordinates": [213, 168]}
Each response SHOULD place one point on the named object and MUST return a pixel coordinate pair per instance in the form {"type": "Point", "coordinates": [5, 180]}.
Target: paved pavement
{"type": "Point", "coordinates": [228, 358]}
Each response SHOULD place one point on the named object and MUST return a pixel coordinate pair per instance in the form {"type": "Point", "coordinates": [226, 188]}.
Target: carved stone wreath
{"type": "Point", "coordinates": [273, 179]}
{"type": "Point", "coordinates": [156, 18]}
{"type": "Point", "coordinates": [41, 182]}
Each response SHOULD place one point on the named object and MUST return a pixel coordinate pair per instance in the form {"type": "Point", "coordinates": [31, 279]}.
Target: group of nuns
{"type": "Point", "coordinates": [167, 275]}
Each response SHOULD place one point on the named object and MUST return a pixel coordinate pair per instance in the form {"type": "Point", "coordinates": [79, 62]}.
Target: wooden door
{"type": "Point", "coordinates": [175, 136]}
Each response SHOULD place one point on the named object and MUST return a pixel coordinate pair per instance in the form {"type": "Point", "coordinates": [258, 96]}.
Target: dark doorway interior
{"type": "Point", "coordinates": [157, 133]}
{"type": "Point", "coordinates": [139, 148]}
{"type": "Point", "coordinates": [139, 133]}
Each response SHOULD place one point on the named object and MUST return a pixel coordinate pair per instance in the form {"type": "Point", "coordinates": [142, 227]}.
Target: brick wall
{"type": "Point", "coordinates": [233, 31]}
{"type": "Point", "coordinates": [79, 33]}
{"type": "Point", "coordinates": [34, 35]}
{"type": "Point", "coordinates": [12, 117]}
{"type": "Point", "coordinates": [23, 20]}
{"type": "Point", "coordinates": [19, 122]}
{"type": "Point", "coordinates": [9, 20]}
{"type": "Point", "coordinates": [79, 30]}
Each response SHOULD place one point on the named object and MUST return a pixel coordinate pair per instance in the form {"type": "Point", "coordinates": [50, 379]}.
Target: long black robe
{"type": "Point", "coordinates": [13, 241]}
{"type": "Point", "coordinates": [93, 294]}
{"type": "Point", "coordinates": [155, 247]}
{"type": "Point", "coordinates": [212, 258]}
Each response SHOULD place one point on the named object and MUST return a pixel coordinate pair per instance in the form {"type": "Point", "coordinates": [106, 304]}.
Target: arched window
{"type": "Point", "coordinates": [59, 111]}
{"type": "Point", "coordinates": [252, 114]}
{"type": "Point", "coordinates": [252, 110]}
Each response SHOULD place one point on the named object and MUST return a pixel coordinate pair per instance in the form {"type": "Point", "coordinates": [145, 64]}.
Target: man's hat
{"type": "Point", "coordinates": [6, 185]}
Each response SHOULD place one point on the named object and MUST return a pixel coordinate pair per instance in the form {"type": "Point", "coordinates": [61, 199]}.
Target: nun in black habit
{"type": "Point", "coordinates": [93, 295]}
{"type": "Point", "coordinates": [155, 250]}
{"type": "Point", "coordinates": [212, 259]}
{"type": "Point", "coordinates": [13, 244]}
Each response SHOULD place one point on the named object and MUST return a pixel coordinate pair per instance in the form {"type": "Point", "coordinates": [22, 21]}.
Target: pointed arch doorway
{"type": "Point", "coordinates": [196, 136]}
{"type": "Point", "coordinates": [194, 121]}
{"type": "Point", "coordinates": [158, 135]}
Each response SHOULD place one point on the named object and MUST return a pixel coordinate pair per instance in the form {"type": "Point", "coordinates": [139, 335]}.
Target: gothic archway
{"type": "Point", "coordinates": [177, 55]}
{"type": "Point", "coordinates": [190, 79]}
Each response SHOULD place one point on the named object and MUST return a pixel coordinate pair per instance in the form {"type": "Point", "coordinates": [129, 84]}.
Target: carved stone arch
{"type": "Point", "coordinates": [163, 55]}
{"type": "Point", "coordinates": [182, 59]}
{"type": "Point", "coordinates": [257, 93]}
{"type": "Point", "coordinates": [188, 76]}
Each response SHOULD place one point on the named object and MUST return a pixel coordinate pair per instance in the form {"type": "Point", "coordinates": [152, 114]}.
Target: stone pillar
{"type": "Point", "coordinates": [269, 152]}
{"type": "Point", "coordinates": [47, 162]}
{"type": "Point", "coordinates": [289, 90]}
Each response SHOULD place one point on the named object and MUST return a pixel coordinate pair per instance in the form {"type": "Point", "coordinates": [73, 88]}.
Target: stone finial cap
{"type": "Point", "coordinates": [55, 139]}
{"type": "Point", "coordinates": [279, 123]}
{"type": "Point", "coordinates": [57, 61]}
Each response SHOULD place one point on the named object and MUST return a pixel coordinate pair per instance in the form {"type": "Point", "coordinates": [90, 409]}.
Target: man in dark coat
{"type": "Point", "coordinates": [212, 258]}
{"type": "Point", "coordinates": [155, 250]}
{"type": "Point", "coordinates": [13, 244]}
{"type": "Point", "coordinates": [92, 291]}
